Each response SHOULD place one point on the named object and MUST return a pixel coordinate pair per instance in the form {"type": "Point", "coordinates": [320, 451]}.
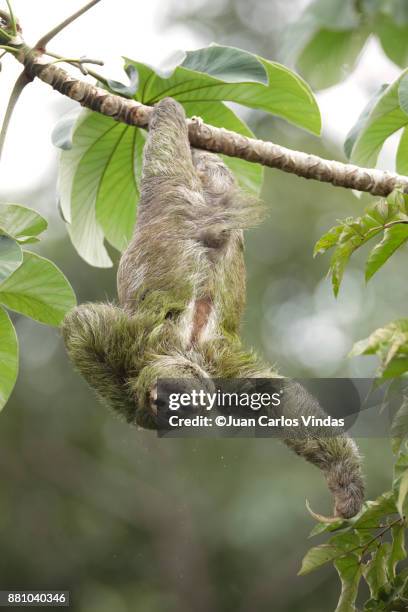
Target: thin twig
{"type": "Point", "coordinates": [13, 21]}
{"type": "Point", "coordinates": [392, 223]}
{"type": "Point", "coordinates": [79, 63]}
{"type": "Point", "coordinates": [5, 34]}
{"type": "Point", "coordinates": [8, 49]}
{"type": "Point", "coordinates": [381, 533]}
{"type": "Point", "coordinates": [19, 85]}
{"type": "Point", "coordinates": [384, 227]}
{"type": "Point", "coordinates": [44, 40]}
{"type": "Point", "coordinates": [364, 547]}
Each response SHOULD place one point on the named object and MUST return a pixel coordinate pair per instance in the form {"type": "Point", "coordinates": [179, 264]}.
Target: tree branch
{"type": "Point", "coordinates": [215, 139]}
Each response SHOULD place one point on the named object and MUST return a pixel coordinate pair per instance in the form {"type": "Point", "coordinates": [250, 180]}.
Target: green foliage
{"type": "Point", "coordinates": [399, 427]}
{"type": "Point", "coordinates": [370, 546]}
{"type": "Point", "coordinates": [38, 290]}
{"type": "Point", "coordinates": [8, 357]}
{"type": "Point", "coordinates": [325, 53]}
{"type": "Point", "coordinates": [320, 555]}
{"type": "Point", "coordinates": [330, 55]}
{"type": "Point", "coordinates": [128, 91]}
{"type": "Point", "coordinates": [268, 86]}
{"type": "Point", "coordinates": [386, 115]}
{"type": "Point", "coordinates": [361, 121]}
{"type": "Point", "coordinates": [401, 161]}
{"type": "Point", "coordinates": [326, 41]}
{"type": "Point", "coordinates": [227, 63]}
{"type": "Point", "coordinates": [402, 494]}
{"type": "Point", "coordinates": [98, 185]}
{"type": "Point", "coordinates": [11, 256]}
{"type": "Point", "coordinates": [29, 284]}
{"type": "Point", "coordinates": [390, 344]}
{"type": "Point", "coordinates": [20, 222]}
{"type": "Point", "coordinates": [393, 38]}
{"type": "Point", "coordinates": [388, 217]}
{"type": "Point", "coordinates": [349, 570]}
{"type": "Point", "coordinates": [101, 159]}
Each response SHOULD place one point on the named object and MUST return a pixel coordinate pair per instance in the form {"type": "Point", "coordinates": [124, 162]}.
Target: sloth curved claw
{"type": "Point", "coordinates": [321, 518]}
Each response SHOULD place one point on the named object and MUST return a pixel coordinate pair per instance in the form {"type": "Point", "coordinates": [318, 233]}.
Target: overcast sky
{"type": "Point", "coordinates": [29, 154]}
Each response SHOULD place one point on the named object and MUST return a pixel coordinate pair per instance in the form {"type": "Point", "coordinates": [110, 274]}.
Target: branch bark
{"type": "Point", "coordinates": [217, 140]}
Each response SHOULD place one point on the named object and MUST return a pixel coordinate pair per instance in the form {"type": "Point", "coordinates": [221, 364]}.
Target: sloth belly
{"type": "Point", "coordinates": [202, 321]}
{"type": "Point", "coordinates": [198, 323]}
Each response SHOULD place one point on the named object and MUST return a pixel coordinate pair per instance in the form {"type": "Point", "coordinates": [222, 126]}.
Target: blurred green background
{"type": "Point", "coordinates": [129, 522]}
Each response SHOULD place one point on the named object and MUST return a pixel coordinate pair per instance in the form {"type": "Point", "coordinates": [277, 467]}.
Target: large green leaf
{"type": "Point", "coordinates": [330, 56]}
{"type": "Point", "coordinates": [385, 118]}
{"type": "Point", "coordinates": [394, 39]}
{"type": "Point", "coordinates": [397, 552]}
{"type": "Point", "coordinates": [399, 426]}
{"type": "Point", "coordinates": [375, 571]}
{"type": "Point", "coordinates": [397, 366]}
{"type": "Point", "coordinates": [400, 467]}
{"type": "Point", "coordinates": [349, 569]}
{"type": "Point", "coordinates": [71, 155]}
{"type": "Point", "coordinates": [401, 161]}
{"type": "Point", "coordinates": [117, 192]}
{"type": "Point", "coordinates": [337, 547]}
{"type": "Point", "coordinates": [320, 528]}
{"type": "Point", "coordinates": [340, 259]}
{"type": "Point", "coordinates": [8, 357]}
{"type": "Point", "coordinates": [361, 121]}
{"type": "Point", "coordinates": [38, 289]}
{"type": "Point", "coordinates": [374, 511]}
{"type": "Point", "coordinates": [11, 256]}
{"type": "Point", "coordinates": [98, 190]}
{"type": "Point", "coordinates": [394, 238]}
{"type": "Point", "coordinates": [328, 240]}
{"type": "Point", "coordinates": [402, 502]}
{"type": "Point", "coordinates": [286, 95]}
{"type": "Point", "coordinates": [319, 14]}
{"type": "Point", "coordinates": [63, 132]}
{"type": "Point", "coordinates": [403, 91]}
{"type": "Point", "coordinates": [318, 556]}
{"type": "Point", "coordinates": [21, 222]}
{"type": "Point", "coordinates": [226, 63]}
{"type": "Point", "coordinates": [128, 91]}
{"type": "Point", "coordinates": [335, 14]}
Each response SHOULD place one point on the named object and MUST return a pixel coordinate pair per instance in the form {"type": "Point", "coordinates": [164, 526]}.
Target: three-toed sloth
{"type": "Point", "coordinates": [181, 290]}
